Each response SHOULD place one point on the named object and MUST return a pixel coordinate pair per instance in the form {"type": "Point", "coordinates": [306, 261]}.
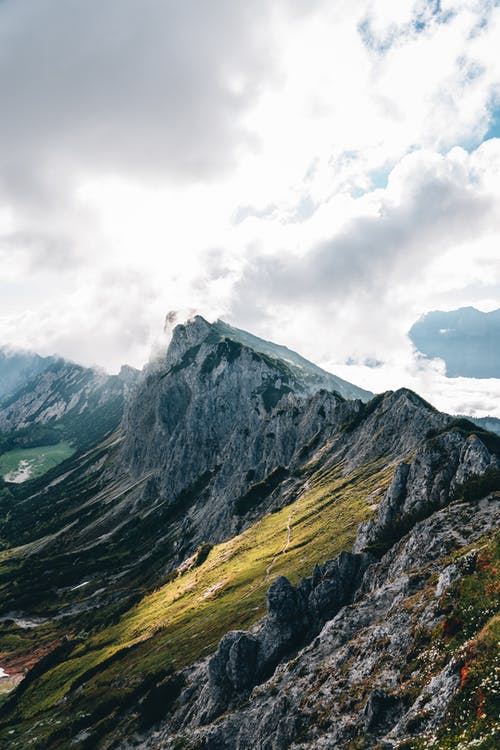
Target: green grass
{"type": "Point", "coordinates": [39, 459]}
{"type": "Point", "coordinates": [470, 632]}
{"type": "Point", "coordinates": [185, 618]}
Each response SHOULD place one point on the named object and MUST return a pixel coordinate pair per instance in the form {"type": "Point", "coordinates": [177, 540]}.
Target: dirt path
{"type": "Point", "coordinates": [287, 542]}
{"type": "Point", "coordinates": [288, 531]}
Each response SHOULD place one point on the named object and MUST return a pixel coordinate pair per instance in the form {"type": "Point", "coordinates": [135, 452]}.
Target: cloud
{"type": "Point", "coordinates": [430, 205]}
{"type": "Point", "coordinates": [289, 165]}
{"type": "Point", "coordinates": [430, 238]}
{"type": "Point", "coordinates": [467, 396]}
{"type": "Point", "coordinates": [122, 303]}
{"type": "Point", "coordinates": [148, 91]}
{"type": "Point", "coordinates": [148, 86]}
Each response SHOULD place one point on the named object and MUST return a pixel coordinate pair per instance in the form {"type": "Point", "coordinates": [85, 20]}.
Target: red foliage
{"type": "Point", "coordinates": [483, 562]}
{"type": "Point", "coordinates": [481, 699]}
{"type": "Point", "coordinates": [463, 675]}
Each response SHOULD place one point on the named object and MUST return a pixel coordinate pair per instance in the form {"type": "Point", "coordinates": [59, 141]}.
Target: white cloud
{"type": "Point", "coordinates": [232, 158]}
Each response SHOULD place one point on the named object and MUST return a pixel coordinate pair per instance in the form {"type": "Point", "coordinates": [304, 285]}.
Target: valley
{"type": "Point", "coordinates": [20, 464]}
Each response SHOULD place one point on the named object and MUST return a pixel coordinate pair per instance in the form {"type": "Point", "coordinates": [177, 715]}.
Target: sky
{"type": "Point", "coordinates": [319, 173]}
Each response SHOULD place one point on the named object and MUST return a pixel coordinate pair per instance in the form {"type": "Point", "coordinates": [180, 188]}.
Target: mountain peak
{"type": "Point", "coordinates": [188, 337]}
{"type": "Point", "coordinates": [235, 466]}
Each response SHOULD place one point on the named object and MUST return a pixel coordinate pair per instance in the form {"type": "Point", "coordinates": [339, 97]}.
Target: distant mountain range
{"type": "Point", "coordinates": [51, 408]}
{"type": "Point", "coordinates": [18, 367]}
{"type": "Point", "coordinates": [247, 559]}
{"type": "Point", "coordinates": [487, 423]}
{"type": "Point", "coordinates": [467, 339]}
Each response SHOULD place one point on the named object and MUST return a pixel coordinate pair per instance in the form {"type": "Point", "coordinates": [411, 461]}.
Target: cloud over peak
{"type": "Point", "coordinates": [312, 170]}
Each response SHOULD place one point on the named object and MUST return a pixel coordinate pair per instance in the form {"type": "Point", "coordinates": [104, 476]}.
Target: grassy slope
{"type": "Point", "coordinates": [184, 619]}
{"type": "Point", "coordinates": [41, 459]}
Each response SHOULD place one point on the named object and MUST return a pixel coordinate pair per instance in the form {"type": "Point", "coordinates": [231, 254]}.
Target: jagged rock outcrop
{"type": "Point", "coordinates": [370, 624]}
{"type": "Point", "coordinates": [352, 680]}
{"type": "Point", "coordinates": [294, 615]}
{"type": "Point", "coordinates": [428, 482]}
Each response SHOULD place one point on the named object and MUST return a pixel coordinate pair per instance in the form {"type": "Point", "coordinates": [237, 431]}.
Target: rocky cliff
{"type": "Point", "coordinates": [83, 403]}
{"type": "Point", "coordinates": [385, 650]}
{"type": "Point", "coordinates": [255, 561]}
{"type": "Point", "coordinates": [18, 367]}
{"type": "Point", "coordinates": [396, 665]}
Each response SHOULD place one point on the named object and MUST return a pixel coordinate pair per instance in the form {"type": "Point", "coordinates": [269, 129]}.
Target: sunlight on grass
{"type": "Point", "coordinates": [185, 618]}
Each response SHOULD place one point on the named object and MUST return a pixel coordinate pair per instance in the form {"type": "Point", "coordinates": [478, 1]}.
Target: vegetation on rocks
{"type": "Point", "coordinates": [235, 491]}
{"type": "Point", "coordinates": [185, 618]}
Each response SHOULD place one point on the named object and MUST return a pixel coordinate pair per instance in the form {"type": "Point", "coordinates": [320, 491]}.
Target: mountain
{"type": "Point", "coordinates": [306, 375]}
{"type": "Point", "coordinates": [487, 423]}
{"type": "Point", "coordinates": [59, 410]}
{"type": "Point", "coordinates": [466, 339]}
{"type": "Point", "coordinates": [18, 367]}
{"type": "Point", "coordinates": [253, 560]}
{"type": "Point", "coordinates": [62, 394]}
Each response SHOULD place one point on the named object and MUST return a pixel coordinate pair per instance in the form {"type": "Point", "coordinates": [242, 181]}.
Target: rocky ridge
{"type": "Point", "coordinates": [353, 682]}
{"type": "Point", "coordinates": [64, 391]}
{"type": "Point", "coordinates": [18, 367]}
{"type": "Point", "coordinates": [367, 597]}
{"type": "Point", "coordinates": [147, 550]}
{"type": "Point", "coordinates": [212, 423]}
{"type": "Point", "coordinates": [218, 424]}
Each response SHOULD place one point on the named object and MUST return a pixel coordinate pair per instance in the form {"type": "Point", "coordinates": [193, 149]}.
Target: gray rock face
{"type": "Point", "coordinates": [449, 575]}
{"type": "Point", "coordinates": [310, 376]}
{"type": "Point", "coordinates": [352, 617]}
{"type": "Point", "coordinates": [217, 424]}
{"type": "Point", "coordinates": [232, 670]}
{"type": "Point", "coordinates": [350, 680]}
{"type": "Point", "coordinates": [65, 391]}
{"type": "Point", "coordinates": [433, 477]}
{"type": "Point", "coordinates": [380, 709]}
{"type": "Point", "coordinates": [294, 616]}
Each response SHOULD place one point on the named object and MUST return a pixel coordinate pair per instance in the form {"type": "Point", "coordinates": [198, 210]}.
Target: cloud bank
{"type": "Point", "coordinates": [322, 173]}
